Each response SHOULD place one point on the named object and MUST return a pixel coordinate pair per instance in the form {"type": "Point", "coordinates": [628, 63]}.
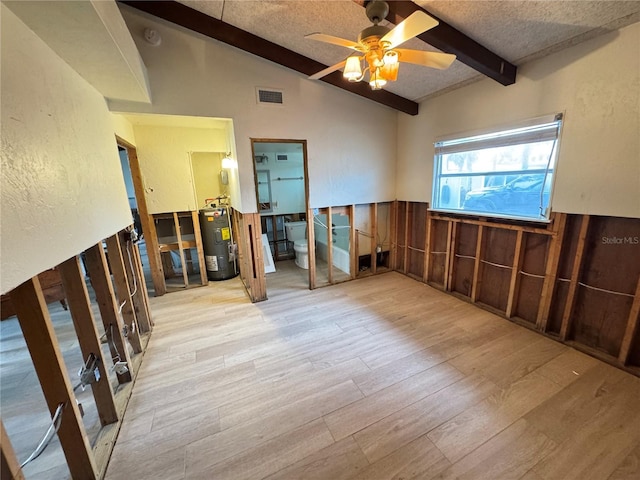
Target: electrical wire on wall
{"type": "Point", "coordinates": [48, 436]}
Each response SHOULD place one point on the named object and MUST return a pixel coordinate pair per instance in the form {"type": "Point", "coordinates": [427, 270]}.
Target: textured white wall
{"type": "Point", "coordinates": [165, 163]}
{"type": "Point", "coordinates": [62, 185]}
{"type": "Point", "coordinates": [596, 84]}
{"type": "Point", "coordinates": [351, 141]}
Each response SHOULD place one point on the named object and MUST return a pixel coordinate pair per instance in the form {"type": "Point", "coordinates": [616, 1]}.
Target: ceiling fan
{"type": "Point", "coordinates": [377, 44]}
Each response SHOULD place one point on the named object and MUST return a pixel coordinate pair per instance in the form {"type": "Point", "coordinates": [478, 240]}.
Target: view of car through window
{"type": "Point", "coordinates": [507, 173]}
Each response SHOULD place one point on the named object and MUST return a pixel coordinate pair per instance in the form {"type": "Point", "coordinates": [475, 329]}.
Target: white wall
{"type": "Point", "coordinates": [62, 185]}
{"type": "Point", "coordinates": [596, 84]}
{"type": "Point", "coordinates": [206, 167]}
{"type": "Point", "coordinates": [351, 141]}
{"type": "Point", "coordinates": [165, 163]}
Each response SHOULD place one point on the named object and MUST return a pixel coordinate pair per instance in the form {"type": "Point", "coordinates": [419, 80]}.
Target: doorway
{"type": "Point", "coordinates": [282, 194]}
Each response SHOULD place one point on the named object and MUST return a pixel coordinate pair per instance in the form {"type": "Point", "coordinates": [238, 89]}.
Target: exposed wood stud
{"type": "Point", "coordinates": [427, 247]}
{"type": "Point", "coordinates": [452, 257]}
{"type": "Point", "coordinates": [329, 245]}
{"type": "Point", "coordinates": [260, 280]}
{"type": "Point", "coordinates": [133, 277]}
{"type": "Point", "coordinates": [98, 269]}
{"type": "Point", "coordinates": [393, 225]}
{"type": "Point", "coordinates": [477, 266]}
{"type": "Point", "coordinates": [551, 271]}
{"type": "Point", "coordinates": [9, 465]}
{"type": "Point", "coordinates": [137, 264]}
{"type": "Point", "coordinates": [374, 238]}
{"type": "Point", "coordinates": [146, 220]}
{"type": "Point", "coordinates": [518, 256]}
{"type": "Point", "coordinates": [632, 327]}
{"type": "Point", "coordinates": [185, 275]}
{"type": "Point", "coordinates": [447, 258]}
{"type": "Point", "coordinates": [49, 365]}
{"type": "Point", "coordinates": [311, 248]}
{"type": "Point", "coordinates": [123, 292]}
{"type": "Point", "coordinates": [88, 338]}
{"type": "Point", "coordinates": [575, 277]}
{"type": "Point", "coordinates": [405, 265]}
{"type": "Point", "coordinates": [353, 259]}
{"type": "Point", "coordinates": [200, 247]}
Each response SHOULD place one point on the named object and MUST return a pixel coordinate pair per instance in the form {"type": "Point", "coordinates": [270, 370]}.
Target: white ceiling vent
{"type": "Point", "coordinates": [269, 96]}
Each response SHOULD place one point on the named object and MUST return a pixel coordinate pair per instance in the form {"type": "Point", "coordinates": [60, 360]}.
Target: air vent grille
{"type": "Point", "coordinates": [270, 97]}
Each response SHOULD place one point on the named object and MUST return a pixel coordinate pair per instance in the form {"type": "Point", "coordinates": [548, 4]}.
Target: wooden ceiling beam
{"type": "Point", "coordinates": [202, 23]}
{"type": "Point", "coordinates": [450, 40]}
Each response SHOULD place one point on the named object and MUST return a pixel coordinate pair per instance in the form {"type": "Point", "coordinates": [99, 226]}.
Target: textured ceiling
{"type": "Point", "coordinates": [518, 31]}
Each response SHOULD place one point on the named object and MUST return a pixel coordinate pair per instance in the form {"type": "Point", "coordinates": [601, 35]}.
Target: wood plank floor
{"type": "Point", "coordinates": [379, 378]}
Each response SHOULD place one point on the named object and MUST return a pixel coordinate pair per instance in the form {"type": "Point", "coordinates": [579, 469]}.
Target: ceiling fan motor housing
{"type": "Point", "coordinates": [377, 11]}
{"type": "Point", "coordinates": [370, 36]}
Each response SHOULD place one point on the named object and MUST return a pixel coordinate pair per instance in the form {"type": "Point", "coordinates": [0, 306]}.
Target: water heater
{"type": "Point", "coordinates": [217, 239]}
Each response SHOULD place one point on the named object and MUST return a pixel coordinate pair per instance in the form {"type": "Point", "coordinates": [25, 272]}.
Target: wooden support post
{"type": "Point", "coordinates": [514, 284]}
{"type": "Point", "coordinates": [311, 246]}
{"type": "Point", "coordinates": [139, 304]}
{"type": "Point", "coordinates": [147, 221]}
{"type": "Point", "coordinates": [88, 338]}
{"type": "Point", "coordinates": [200, 247]}
{"type": "Point", "coordinates": [447, 258]}
{"type": "Point", "coordinates": [260, 280]}
{"type": "Point", "coordinates": [405, 264]}
{"type": "Point", "coordinates": [185, 275]}
{"type": "Point", "coordinates": [98, 269]}
{"type": "Point", "coordinates": [353, 259]}
{"type": "Point", "coordinates": [427, 248]}
{"type": "Point", "coordinates": [9, 465]}
{"type": "Point", "coordinates": [452, 257]}
{"type": "Point", "coordinates": [52, 373]}
{"type": "Point", "coordinates": [137, 264]}
{"type": "Point", "coordinates": [123, 292]}
{"type": "Point", "coordinates": [575, 278]}
{"type": "Point", "coordinates": [374, 237]}
{"type": "Point", "coordinates": [393, 235]}
{"type": "Point", "coordinates": [477, 266]}
{"type": "Point", "coordinates": [551, 271]}
{"type": "Point", "coordinates": [632, 327]}
{"type": "Point", "coordinates": [329, 246]}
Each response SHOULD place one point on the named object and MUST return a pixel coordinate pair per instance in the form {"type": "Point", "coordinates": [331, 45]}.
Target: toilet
{"type": "Point", "coordinates": [296, 232]}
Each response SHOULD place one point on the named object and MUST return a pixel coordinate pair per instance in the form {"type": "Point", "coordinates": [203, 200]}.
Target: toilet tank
{"type": "Point", "coordinates": [295, 230]}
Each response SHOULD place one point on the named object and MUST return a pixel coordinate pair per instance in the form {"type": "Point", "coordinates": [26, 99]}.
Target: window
{"type": "Point", "coordinates": [506, 173]}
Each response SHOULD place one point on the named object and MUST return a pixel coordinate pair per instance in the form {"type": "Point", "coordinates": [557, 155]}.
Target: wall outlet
{"type": "Point", "coordinates": [378, 249]}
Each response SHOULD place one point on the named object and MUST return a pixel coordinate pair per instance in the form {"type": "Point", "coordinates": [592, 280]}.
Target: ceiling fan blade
{"type": "Point", "coordinates": [437, 60]}
{"type": "Point", "coordinates": [327, 70]}
{"type": "Point", "coordinates": [415, 24]}
{"type": "Point", "coordinates": [321, 37]}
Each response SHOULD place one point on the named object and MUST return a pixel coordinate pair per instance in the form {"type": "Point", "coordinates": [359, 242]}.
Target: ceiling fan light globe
{"type": "Point", "coordinates": [352, 69]}
{"type": "Point", "coordinates": [390, 58]}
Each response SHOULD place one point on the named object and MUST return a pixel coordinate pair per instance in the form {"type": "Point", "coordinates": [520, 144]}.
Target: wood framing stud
{"type": "Point", "coordinates": [353, 259]}
{"type": "Point", "coordinates": [575, 277]}
{"type": "Point", "coordinates": [393, 225]}
{"type": "Point", "coordinates": [123, 292]}
{"type": "Point", "coordinates": [374, 238]}
{"type": "Point", "coordinates": [477, 266]}
{"type": "Point", "coordinates": [200, 247]}
{"type": "Point", "coordinates": [98, 269]}
{"type": "Point", "coordinates": [52, 372]}
{"type": "Point", "coordinates": [9, 465]}
{"type": "Point", "coordinates": [405, 264]}
{"type": "Point", "coordinates": [447, 258]}
{"type": "Point", "coordinates": [138, 294]}
{"type": "Point", "coordinates": [551, 271]}
{"type": "Point", "coordinates": [632, 327]}
{"type": "Point", "coordinates": [452, 257]}
{"type": "Point", "coordinates": [88, 338]}
{"type": "Point", "coordinates": [427, 247]}
{"type": "Point", "coordinates": [514, 284]}
{"type": "Point", "coordinates": [311, 246]}
{"type": "Point", "coordinates": [146, 220]}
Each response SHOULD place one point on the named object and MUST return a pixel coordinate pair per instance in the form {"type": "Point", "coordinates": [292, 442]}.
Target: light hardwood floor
{"type": "Point", "coordinates": [379, 378]}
